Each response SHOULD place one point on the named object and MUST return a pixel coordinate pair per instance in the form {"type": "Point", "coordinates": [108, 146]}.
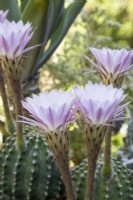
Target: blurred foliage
{"type": "Point", "coordinates": [77, 143]}
{"type": "Point", "coordinates": [97, 26]}
{"type": "Point", "coordinates": [50, 19]}
{"type": "Point", "coordinates": [100, 24]}
{"type": "Point", "coordinates": [117, 142]}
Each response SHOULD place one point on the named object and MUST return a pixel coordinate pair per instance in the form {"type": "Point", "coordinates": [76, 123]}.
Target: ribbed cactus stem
{"type": "Point", "coordinates": [3, 130]}
{"type": "Point", "coordinates": [107, 155]}
{"type": "Point", "coordinates": [30, 174]}
{"type": "Point", "coordinates": [9, 120]}
{"type": "Point", "coordinates": [116, 187]}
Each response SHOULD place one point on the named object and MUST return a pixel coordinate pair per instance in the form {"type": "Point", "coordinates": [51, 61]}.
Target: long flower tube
{"type": "Point", "coordinates": [113, 65]}
{"type": "Point", "coordinates": [99, 107]}
{"type": "Point", "coordinates": [12, 48]}
{"type": "Point", "coordinates": [9, 121]}
{"type": "Point", "coordinates": [54, 112]}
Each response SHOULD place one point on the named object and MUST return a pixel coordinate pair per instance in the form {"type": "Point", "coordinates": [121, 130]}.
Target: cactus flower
{"type": "Point", "coordinates": [14, 36]}
{"type": "Point", "coordinates": [100, 107]}
{"type": "Point", "coordinates": [100, 104]}
{"type": "Point", "coordinates": [13, 46]}
{"type": "Point", "coordinates": [13, 42]}
{"type": "Point", "coordinates": [3, 15]}
{"type": "Point", "coordinates": [112, 65]}
{"type": "Point", "coordinates": [53, 111]}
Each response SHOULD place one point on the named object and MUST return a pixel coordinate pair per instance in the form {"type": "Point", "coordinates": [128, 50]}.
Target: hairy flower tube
{"type": "Point", "coordinates": [99, 107]}
{"type": "Point", "coordinates": [14, 36]}
{"type": "Point", "coordinates": [3, 15]}
{"type": "Point", "coordinates": [9, 121]}
{"type": "Point", "coordinates": [112, 65]}
{"type": "Point", "coordinates": [54, 112]}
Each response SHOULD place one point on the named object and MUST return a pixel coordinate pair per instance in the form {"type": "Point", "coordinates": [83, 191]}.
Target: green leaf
{"type": "Point", "coordinates": [68, 17]}
{"type": "Point", "coordinates": [23, 4]}
{"type": "Point", "coordinates": [12, 6]}
{"type": "Point", "coordinates": [55, 11]}
{"type": "Point", "coordinates": [35, 12]}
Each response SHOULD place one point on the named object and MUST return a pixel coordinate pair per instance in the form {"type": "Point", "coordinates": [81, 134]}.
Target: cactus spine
{"type": "Point", "coordinates": [31, 174]}
{"type": "Point", "coordinates": [119, 186]}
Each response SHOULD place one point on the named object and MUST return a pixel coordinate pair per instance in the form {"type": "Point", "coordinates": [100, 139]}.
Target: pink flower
{"type": "Point", "coordinates": [53, 111]}
{"type": "Point", "coordinates": [112, 64]}
{"type": "Point", "coordinates": [100, 104]}
{"type": "Point", "coordinates": [3, 15]}
{"type": "Point", "coordinates": [14, 36]}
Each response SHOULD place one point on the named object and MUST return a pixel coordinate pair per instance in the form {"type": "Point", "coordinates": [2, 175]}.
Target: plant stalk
{"type": "Point", "coordinates": [107, 155]}
{"type": "Point", "coordinates": [9, 120]}
{"type": "Point", "coordinates": [59, 144]}
{"type": "Point", "coordinates": [91, 177]}
{"type": "Point", "coordinates": [93, 137]}
{"type": "Point", "coordinates": [18, 108]}
{"type": "Point", "coordinates": [66, 176]}
{"type": "Point", "coordinates": [16, 89]}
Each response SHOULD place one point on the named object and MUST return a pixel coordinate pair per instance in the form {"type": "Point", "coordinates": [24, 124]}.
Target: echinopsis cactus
{"type": "Point", "coordinates": [31, 174]}
{"type": "Point", "coordinates": [113, 66]}
{"type": "Point", "coordinates": [12, 48]}
{"type": "Point", "coordinates": [25, 159]}
{"type": "Point", "coordinates": [98, 110]}
{"type": "Point", "coordinates": [99, 106]}
{"type": "Point", "coordinates": [55, 117]}
{"type": "Point", "coordinates": [119, 185]}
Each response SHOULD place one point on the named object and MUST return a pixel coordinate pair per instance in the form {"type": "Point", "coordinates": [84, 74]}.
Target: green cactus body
{"type": "Point", "coordinates": [119, 186]}
{"type": "Point", "coordinates": [126, 153]}
{"type": "Point", "coordinates": [31, 174]}
{"type": "Point", "coordinates": [130, 129]}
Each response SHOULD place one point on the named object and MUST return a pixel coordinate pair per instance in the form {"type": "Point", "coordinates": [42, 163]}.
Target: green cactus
{"type": "Point", "coordinates": [126, 155]}
{"type": "Point", "coordinates": [119, 186]}
{"type": "Point", "coordinates": [130, 134]}
{"type": "Point", "coordinates": [31, 174]}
